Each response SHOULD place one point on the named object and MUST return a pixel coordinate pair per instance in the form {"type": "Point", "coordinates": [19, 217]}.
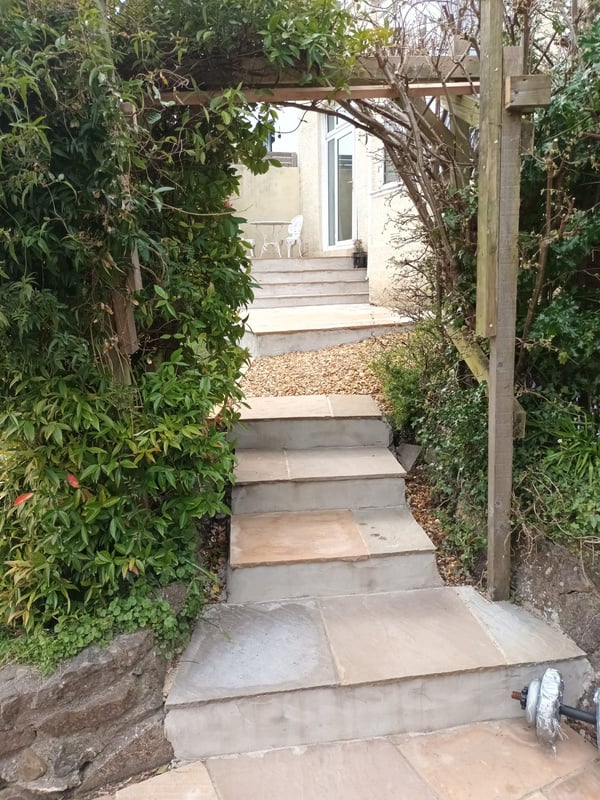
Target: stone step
{"type": "Point", "coordinates": [297, 288]}
{"type": "Point", "coordinates": [295, 301]}
{"type": "Point", "coordinates": [300, 672]}
{"type": "Point", "coordinates": [303, 422]}
{"type": "Point", "coordinates": [273, 331]}
{"type": "Point", "coordinates": [262, 265]}
{"type": "Point", "coordinates": [320, 553]}
{"type": "Point", "coordinates": [317, 478]}
{"type": "Point", "coordinates": [311, 277]}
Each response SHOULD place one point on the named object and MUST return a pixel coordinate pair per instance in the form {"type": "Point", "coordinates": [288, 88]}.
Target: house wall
{"type": "Point", "coordinates": [272, 196]}
{"type": "Point", "coordinates": [376, 209]}
{"type": "Point", "coordinates": [284, 192]}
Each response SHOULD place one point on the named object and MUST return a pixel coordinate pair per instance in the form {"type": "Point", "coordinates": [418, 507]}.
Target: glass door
{"type": "Point", "coordinates": [339, 138]}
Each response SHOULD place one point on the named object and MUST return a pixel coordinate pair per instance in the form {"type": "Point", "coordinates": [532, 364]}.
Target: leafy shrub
{"type": "Point", "coordinates": [409, 372]}
{"type": "Point", "coordinates": [122, 287]}
{"type": "Point", "coordinates": [435, 403]}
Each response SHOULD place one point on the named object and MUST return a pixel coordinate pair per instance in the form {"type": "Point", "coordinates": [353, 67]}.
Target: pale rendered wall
{"type": "Point", "coordinates": [376, 206]}
{"type": "Point", "coordinates": [272, 196]}
{"type": "Point", "coordinates": [283, 192]}
{"type": "Point", "coordinates": [312, 177]}
{"type": "Point", "coordinates": [389, 238]}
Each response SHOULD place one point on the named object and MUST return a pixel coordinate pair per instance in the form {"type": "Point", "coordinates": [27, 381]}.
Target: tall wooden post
{"type": "Point", "coordinates": [502, 349]}
{"type": "Point", "coordinates": [497, 263]}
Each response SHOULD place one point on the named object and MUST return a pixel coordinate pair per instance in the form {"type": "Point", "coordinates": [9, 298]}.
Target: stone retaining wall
{"type": "Point", "coordinates": [565, 590]}
{"type": "Point", "coordinates": [97, 720]}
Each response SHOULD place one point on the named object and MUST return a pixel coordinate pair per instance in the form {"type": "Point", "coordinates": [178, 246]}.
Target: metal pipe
{"type": "Point", "coordinates": [578, 713]}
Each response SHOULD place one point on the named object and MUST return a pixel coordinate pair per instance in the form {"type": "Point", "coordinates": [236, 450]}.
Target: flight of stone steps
{"type": "Point", "coordinates": [291, 282]}
{"type": "Point", "coordinates": [337, 625]}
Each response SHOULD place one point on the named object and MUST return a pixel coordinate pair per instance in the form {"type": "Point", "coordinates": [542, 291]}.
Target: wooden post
{"type": "Point", "coordinates": [492, 92]}
{"type": "Point", "coordinates": [502, 347]}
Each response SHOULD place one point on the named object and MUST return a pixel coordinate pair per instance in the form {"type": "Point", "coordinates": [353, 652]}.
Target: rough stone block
{"type": "Point", "coordinates": [144, 745]}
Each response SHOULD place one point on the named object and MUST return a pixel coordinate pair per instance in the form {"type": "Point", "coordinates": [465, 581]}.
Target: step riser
{"type": "Point", "coordinates": [260, 265]}
{"type": "Point", "coordinates": [301, 288]}
{"type": "Point", "coordinates": [301, 434]}
{"type": "Point", "coordinates": [337, 277]}
{"type": "Point", "coordinates": [353, 712]}
{"type": "Point", "coordinates": [273, 344]}
{"type": "Point", "coordinates": [285, 581]}
{"type": "Point", "coordinates": [313, 300]}
{"type": "Point", "coordinates": [262, 498]}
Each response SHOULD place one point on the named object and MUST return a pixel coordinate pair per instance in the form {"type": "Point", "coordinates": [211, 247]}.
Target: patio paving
{"type": "Point", "coordinates": [485, 761]}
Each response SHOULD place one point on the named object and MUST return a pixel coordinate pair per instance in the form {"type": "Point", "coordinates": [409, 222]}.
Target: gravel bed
{"type": "Point", "coordinates": [345, 369]}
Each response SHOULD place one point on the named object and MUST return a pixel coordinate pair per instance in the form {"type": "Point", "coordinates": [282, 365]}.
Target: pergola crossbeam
{"type": "Point", "coordinates": [297, 94]}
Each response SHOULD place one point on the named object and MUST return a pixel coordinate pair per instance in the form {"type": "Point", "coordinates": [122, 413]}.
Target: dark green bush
{"type": "Point", "coordinates": [123, 281]}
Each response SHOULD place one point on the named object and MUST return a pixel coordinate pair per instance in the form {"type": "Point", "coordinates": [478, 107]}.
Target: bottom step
{"type": "Point", "coordinates": [474, 762]}
{"type": "Point", "coordinates": [268, 675]}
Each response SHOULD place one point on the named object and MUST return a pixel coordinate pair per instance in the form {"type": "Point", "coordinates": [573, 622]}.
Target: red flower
{"type": "Point", "coordinates": [22, 498]}
{"type": "Point", "coordinates": [72, 481]}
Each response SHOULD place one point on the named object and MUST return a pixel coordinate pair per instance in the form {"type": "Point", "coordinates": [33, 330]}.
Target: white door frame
{"type": "Point", "coordinates": [333, 131]}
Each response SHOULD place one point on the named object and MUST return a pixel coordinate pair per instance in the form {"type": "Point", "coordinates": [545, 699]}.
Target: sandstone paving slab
{"type": "Point", "coordinates": [341, 462]}
{"type": "Point", "coordinates": [391, 530]}
{"type": "Point", "coordinates": [338, 771]}
{"type": "Point", "coordinates": [310, 406]}
{"type": "Point", "coordinates": [333, 317]}
{"type": "Point", "coordinates": [401, 634]}
{"type": "Point", "coordinates": [353, 405]}
{"type": "Point", "coordinates": [335, 463]}
{"type": "Point", "coordinates": [189, 782]}
{"type": "Point", "coordinates": [287, 538]}
{"type": "Point", "coordinates": [287, 407]}
{"type": "Point", "coordinates": [520, 635]}
{"type": "Point", "coordinates": [245, 650]}
{"type": "Point", "coordinates": [500, 760]}
{"type": "Point", "coordinates": [261, 465]}
{"type": "Point", "coordinates": [583, 785]}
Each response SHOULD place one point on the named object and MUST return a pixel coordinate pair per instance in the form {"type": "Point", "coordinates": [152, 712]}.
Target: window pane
{"type": "Point", "coordinates": [344, 176]}
{"type": "Point", "coordinates": [331, 191]}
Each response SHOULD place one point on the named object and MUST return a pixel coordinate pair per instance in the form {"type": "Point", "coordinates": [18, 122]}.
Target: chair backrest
{"type": "Point", "coordinates": [295, 226]}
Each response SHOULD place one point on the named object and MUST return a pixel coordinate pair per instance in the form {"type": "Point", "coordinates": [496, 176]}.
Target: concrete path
{"type": "Point", "coordinates": [486, 761]}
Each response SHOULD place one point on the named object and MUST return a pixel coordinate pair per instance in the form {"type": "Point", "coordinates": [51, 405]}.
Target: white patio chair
{"type": "Point", "coordinates": [294, 231]}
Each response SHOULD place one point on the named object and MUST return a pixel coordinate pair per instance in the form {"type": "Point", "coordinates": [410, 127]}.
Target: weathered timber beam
{"type": "Point", "coordinates": [256, 72]}
{"type": "Point", "coordinates": [525, 93]}
{"type": "Point", "coordinates": [281, 94]}
{"type": "Point", "coordinates": [420, 68]}
{"type": "Point", "coordinates": [465, 108]}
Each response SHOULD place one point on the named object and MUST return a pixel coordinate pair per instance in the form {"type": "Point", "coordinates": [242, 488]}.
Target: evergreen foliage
{"type": "Point", "coordinates": [123, 281]}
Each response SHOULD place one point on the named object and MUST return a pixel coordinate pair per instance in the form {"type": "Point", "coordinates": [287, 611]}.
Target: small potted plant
{"type": "Point", "coordinates": [359, 256]}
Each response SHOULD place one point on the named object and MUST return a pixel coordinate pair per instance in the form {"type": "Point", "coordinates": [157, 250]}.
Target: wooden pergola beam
{"type": "Point", "coordinates": [255, 72]}
{"type": "Point", "coordinates": [279, 94]}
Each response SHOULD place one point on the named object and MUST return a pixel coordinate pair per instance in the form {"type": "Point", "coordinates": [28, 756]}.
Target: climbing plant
{"type": "Point", "coordinates": [123, 281]}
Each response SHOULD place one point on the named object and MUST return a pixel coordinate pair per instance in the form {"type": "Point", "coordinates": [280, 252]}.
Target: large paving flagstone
{"type": "Point", "coordinates": [500, 760]}
{"type": "Point", "coordinates": [402, 634]}
{"type": "Point", "coordinates": [484, 761]}
{"type": "Point", "coordinates": [244, 650]}
{"type": "Point", "coordinates": [190, 782]}
{"type": "Point", "coordinates": [295, 538]}
{"type": "Point", "coordinates": [349, 770]}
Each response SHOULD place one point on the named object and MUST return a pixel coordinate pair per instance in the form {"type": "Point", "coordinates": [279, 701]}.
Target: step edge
{"type": "Point", "coordinates": [413, 551]}
{"type": "Point", "coordinates": [360, 684]}
{"type": "Point", "coordinates": [319, 478]}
